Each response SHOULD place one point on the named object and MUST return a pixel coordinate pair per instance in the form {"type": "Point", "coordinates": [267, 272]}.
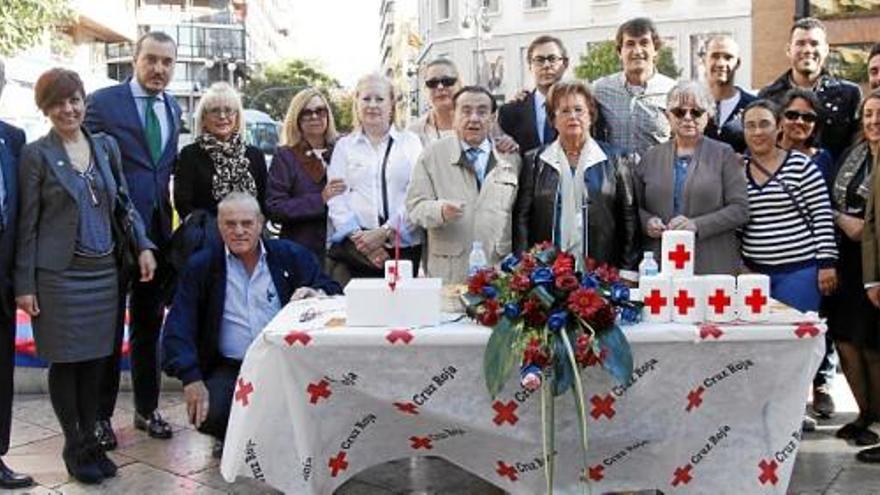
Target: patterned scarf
{"type": "Point", "coordinates": [231, 167]}
{"type": "Point", "coordinates": [849, 168]}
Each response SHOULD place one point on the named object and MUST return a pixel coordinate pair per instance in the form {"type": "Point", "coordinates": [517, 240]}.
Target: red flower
{"type": "Point", "coordinates": [564, 264]}
{"type": "Point", "coordinates": [589, 358]}
{"type": "Point", "coordinates": [607, 274]}
{"type": "Point", "coordinates": [520, 282]}
{"type": "Point", "coordinates": [528, 262]}
{"type": "Point", "coordinates": [603, 317]}
{"type": "Point", "coordinates": [585, 302]}
{"type": "Point", "coordinates": [480, 279]}
{"type": "Point", "coordinates": [536, 354]}
{"type": "Point", "coordinates": [567, 282]}
{"type": "Point", "coordinates": [488, 314]}
{"type": "Point", "coordinates": [534, 314]}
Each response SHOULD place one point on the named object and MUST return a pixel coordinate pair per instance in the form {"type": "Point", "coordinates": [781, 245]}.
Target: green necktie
{"type": "Point", "coordinates": [153, 130]}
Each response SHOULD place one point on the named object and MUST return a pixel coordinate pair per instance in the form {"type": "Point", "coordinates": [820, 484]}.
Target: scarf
{"type": "Point", "coordinates": [850, 167]}
{"type": "Point", "coordinates": [231, 167]}
{"type": "Point", "coordinates": [313, 161]}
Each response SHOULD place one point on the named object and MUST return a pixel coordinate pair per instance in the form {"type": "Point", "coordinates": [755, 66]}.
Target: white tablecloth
{"type": "Point", "coordinates": [709, 409]}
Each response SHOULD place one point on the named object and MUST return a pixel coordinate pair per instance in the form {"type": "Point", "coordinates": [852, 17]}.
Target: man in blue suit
{"type": "Point", "coordinates": [11, 141]}
{"type": "Point", "coordinates": [145, 120]}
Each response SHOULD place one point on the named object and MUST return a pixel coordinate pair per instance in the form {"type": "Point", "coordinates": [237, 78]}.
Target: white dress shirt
{"type": "Point", "coordinates": [140, 99]}
{"type": "Point", "coordinates": [356, 161]}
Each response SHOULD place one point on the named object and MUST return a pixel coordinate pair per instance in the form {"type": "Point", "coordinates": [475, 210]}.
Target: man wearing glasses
{"type": "Point", "coordinates": [632, 102]}
{"type": "Point", "coordinates": [525, 119]}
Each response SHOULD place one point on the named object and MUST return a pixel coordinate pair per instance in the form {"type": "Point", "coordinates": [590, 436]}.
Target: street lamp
{"type": "Point", "coordinates": [476, 15]}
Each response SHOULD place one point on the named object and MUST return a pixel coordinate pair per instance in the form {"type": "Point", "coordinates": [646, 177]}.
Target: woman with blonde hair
{"type": "Point", "coordinates": [375, 163]}
{"type": "Point", "coordinates": [297, 192]}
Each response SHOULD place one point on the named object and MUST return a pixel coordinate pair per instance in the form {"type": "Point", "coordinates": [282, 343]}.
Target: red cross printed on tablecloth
{"type": "Point", "coordinates": [756, 300]}
{"type": "Point", "coordinates": [420, 443]}
{"type": "Point", "coordinates": [505, 412]}
{"type": "Point", "coordinates": [768, 472]}
{"type": "Point", "coordinates": [679, 256]}
{"type": "Point", "coordinates": [242, 394]}
{"type": "Point", "coordinates": [297, 336]}
{"type": "Point", "coordinates": [596, 473]}
{"type": "Point", "coordinates": [655, 301]}
{"type": "Point", "coordinates": [719, 301]}
{"type": "Point", "coordinates": [319, 390]}
{"type": "Point", "coordinates": [402, 334]}
{"type": "Point", "coordinates": [505, 470]}
{"type": "Point", "coordinates": [684, 302]}
{"type": "Point", "coordinates": [337, 464]}
{"type": "Point", "coordinates": [682, 475]}
{"type": "Point", "coordinates": [602, 406]}
{"type": "Point", "coordinates": [713, 331]}
{"type": "Point", "coordinates": [407, 407]}
{"type": "Point", "coordinates": [695, 398]}
{"type": "Point", "coordinates": [806, 330]}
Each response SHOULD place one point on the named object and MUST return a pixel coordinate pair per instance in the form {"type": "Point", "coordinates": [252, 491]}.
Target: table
{"type": "Point", "coordinates": [709, 408]}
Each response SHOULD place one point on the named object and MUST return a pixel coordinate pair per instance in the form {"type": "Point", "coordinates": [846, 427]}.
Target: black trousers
{"type": "Point", "coordinates": [7, 365]}
{"type": "Point", "coordinates": [146, 304]}
{"type": "Point", "coordinates": [221, 386]}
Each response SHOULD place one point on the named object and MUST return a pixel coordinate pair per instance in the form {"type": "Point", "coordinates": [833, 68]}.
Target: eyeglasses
{"type": "Point", "coordinates": [551, 59]}
{"type": "Point", "coordinates": [807, 117]}
{"type": "Point", "coordinates": [576, 112]}
{"type": "Point", "coordinates": [447, 82]}
{"type": "Point", "coordinates": [680, 113]}
{"type": "Point", "coordinates": [307, 113]}
{"type": "Point", "coordinates": [221, 111]}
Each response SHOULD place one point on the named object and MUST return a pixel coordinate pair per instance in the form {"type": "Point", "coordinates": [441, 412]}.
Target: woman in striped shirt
{"type": "Point", "coordinates": [790, 233]}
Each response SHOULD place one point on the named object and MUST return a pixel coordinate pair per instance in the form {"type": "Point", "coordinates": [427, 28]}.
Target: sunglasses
{"type": "Point", "coordinates": [307, 113]}
{"type": "Point", "coordinates": [447, 82]}
{"type": "Point", "coordinates": [221, 111]}
{"type": "Point", "coordinates": [807, 117]}
{"type": "Point", "coordinates": [680, 113]}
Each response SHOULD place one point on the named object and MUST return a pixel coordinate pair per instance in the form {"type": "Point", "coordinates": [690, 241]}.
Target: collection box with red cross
{"type": "Point", "coordinates": [677, 253]}
{"type": "Point", "coordinates": [753, 297]}
{"type": "Point", "coordinates": [396, 300]}
{"type": "Point", "coordinates": [719, 295]}
{"type": "Point", "coordinates": [655, 292]}
{"type": "Point", "coordinates": [688, 304]}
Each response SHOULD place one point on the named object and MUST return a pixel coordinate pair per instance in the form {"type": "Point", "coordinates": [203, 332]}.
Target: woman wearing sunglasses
{"type": "Point", "coordinates": [67, 275]}
{"type": "Point", "coordinates": [298, 190]}
{"type": "Point", "coordinates": [442, 82]}
{"type": "Point", "coordinates": [694, 183]}
{"type": "Point", "coordinates": [800, 126]}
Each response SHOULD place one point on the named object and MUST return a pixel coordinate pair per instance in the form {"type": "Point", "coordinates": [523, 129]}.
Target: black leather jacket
{"type": "Point", "coordinates": [613, 214]}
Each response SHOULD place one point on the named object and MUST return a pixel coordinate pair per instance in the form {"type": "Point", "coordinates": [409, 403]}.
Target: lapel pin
{"type": "Point", "coordinates": [60, 163]}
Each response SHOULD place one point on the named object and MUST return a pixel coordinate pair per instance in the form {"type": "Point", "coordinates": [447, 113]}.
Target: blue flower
{"type": "Point", "coordinates": [531, 368]}
{"type": "Point", "coordinates": [511, 310]}
{"type": "Point", "coordinates": [590, 282]}
{"type": "Point", "coordinates": [490, 292]}
{"type": "Point", "coordinates": [619, 292]}
{"type": "Point", "coordinates": [509, 263]}
{"type": "Point", "coordinates": [542, 275]}
{"type": "Point", "coordinates": [630, 314]}
{"type": "Point", "coordinates": [557, 321]}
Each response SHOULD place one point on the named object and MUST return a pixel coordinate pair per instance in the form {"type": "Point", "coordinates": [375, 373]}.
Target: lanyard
{"type": "Point", "coordinates": [383, 218]}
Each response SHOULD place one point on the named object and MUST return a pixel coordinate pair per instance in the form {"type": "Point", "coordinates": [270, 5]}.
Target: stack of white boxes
{"type": "Point", "coordinates": [676, 294]}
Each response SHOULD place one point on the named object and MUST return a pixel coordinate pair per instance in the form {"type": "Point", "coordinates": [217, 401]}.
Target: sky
{"type": "Point", "coordinates": [342, 36]}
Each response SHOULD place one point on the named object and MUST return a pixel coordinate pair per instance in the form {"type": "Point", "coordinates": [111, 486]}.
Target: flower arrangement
{"type": "Point", "coordinates": [552, 321]}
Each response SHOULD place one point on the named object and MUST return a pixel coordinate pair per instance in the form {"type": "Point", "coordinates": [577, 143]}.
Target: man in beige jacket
{"type": "Point", "coordinates": [462, 190]}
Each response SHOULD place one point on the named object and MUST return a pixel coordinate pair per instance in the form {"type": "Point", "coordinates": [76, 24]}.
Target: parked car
{"type": "Point", "coordinates": [261, 131]}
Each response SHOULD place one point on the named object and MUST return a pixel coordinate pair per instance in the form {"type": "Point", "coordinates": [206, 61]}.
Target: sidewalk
{"type": "Point", "coordinates": [184, 464]}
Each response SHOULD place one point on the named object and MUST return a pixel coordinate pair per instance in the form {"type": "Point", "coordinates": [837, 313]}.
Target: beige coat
{"type": "Point", "coordinates": [441, 175]}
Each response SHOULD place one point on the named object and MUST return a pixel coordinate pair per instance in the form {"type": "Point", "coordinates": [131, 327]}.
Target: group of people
{"type": "Point", "coordinates": [780, 183]}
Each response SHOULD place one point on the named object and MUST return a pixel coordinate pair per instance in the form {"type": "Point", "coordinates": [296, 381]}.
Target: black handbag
{"type": "Point", "coordinates": [358, 264]}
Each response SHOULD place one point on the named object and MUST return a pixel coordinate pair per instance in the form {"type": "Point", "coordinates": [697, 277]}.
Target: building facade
{"type": "Point", "coordinates": [399, 45]}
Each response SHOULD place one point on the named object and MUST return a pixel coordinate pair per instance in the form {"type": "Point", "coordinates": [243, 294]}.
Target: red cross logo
{"type": "Point", "coordinates": [505, 412]}
{"type": "Point", "coordinates": [655, 301]}
{"type": "Point", "coordinates": [337, 464]}
{"type": "Point", "coordinates": [768, 472]}
{"type": "Point", "coordinates": [596, 473]}
{"type": "Point", "coordinates": [592, 359]}
{"type": "Point", "coordinates": [695, 398]}
{"type": "Point", "coordinates": [297, 336]}
{"type": "Point", "coordinates": [420, 443]}
{"type": "Point", "coordinates": [682, 475]}
{"type": "Point", "coordinates": [505, 470]}
{"type": "Point", "coordinates": [399, 334]}
{"type": "Point", "coordinates": [244, 391]}
{"type": "Point", "coordinates": [719, 301]}
{"type": "Point", "coordinates": [707, 331]}
{"type": "Point", "coordinates": [684, 302]}
{"type": "Point", "coordinates": [602, 406]}
{"type": "Point", "coordinates": [756, 300]}
{"type": "Point", "coordinates": [806, 330]}
{"type": "Point", "coordinates": [679, 256]}
{"type": "Point", "coordinates": [407, 407]}
{"type": "Point", "coordinates": [319, 390]}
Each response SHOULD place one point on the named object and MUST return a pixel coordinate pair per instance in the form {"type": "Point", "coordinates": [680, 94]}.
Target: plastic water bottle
{"type": "Point", "coordinates": [648, 266]}
{"type": "Point", "coordinates": [477, 258]}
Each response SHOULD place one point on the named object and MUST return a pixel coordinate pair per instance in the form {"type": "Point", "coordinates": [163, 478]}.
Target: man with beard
{"type": "Point", "coordinates": [807, 51]}
{"type": "Point", "coordinates": [721, 61]}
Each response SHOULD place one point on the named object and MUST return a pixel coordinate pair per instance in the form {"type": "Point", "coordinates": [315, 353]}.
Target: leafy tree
{"type": "Point", "coordinates": [602, 59]}
{"type": "Point", "coordinates": [23, 22]}
{"type": "Point", "coordinates": [666, 63]}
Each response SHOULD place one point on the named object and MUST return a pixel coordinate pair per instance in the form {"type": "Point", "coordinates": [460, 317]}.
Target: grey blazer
{"type": "Point", "coordinates": [48, 211]}
{"type": "Point", "coordinates": [715, 198]}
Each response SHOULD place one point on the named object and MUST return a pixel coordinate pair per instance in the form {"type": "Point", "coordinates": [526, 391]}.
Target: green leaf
{"type": "Point", "coordinates": [618, 360]}
{"type": "Point", "coordinates": [544, 296]}
{"type": "Point", "coordinates": [500, 355]}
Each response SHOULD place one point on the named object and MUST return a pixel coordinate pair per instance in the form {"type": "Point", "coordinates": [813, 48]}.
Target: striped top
{"type": "Point", "coordinates": [786, 231]}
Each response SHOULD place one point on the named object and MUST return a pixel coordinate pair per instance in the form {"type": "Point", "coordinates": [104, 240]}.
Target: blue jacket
{"type": "Point", "coordinates": [112, 110]}
{"type": "Point", "coordinates": [11, 142]}
{"type": "Point", "coordinates": [191, 337]}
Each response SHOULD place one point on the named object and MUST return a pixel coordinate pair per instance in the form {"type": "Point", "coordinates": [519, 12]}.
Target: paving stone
{"type": "Point", "coordinates": [186, 453]}
{"type": "Point", "coordinates": [242, 486]}
{"type": "Point", "coordinates": [40, 459]}
{"type": "Point", "coordinates": [24, 433]}
{"type": "Point", "coordinates": [139, 478]}
{"type": "Point", "coordinates": [356, 487]}
{"type": "Point", "coordinates": [36, 412]}
{"type": "Point", "coordinates": [857, 479]}
{"type": "Point", "coordinates": [32, 490]}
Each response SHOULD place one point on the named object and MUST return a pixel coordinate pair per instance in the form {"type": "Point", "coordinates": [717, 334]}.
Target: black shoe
{"type": "Point", "coordinates": [849, 431]}
{"type": "Point", "coordinates": [217, 449]}
{"type": "Point", "coordinates": [823, 404]}
{"type": "Point", "coordinates": [105, 464]}
{"type": "Point", "coordinates": [866, 437]}
{"type": "Point", "coordinates": [104, 435]}
{"type": "Point", "coordinates": [154, 425]}
{"type": "Point", "coordinates": [871, 455]}
{"type": "Point", "coordinates": [10, 480]}
{"type": "Point", "coordinates": [80, 464]}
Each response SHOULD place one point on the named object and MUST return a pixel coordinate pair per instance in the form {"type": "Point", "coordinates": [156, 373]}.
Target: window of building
{"type": "Point", "coordinates": [536, 4]}
{"type": "Point", "coordinates": [843, 8]}
{"type": "Point", "coordinates": [490, 5]}
{"type": "Point", "coordinates": [444, 9]}
{"type": "Point", "coordinates": [119, 71]}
